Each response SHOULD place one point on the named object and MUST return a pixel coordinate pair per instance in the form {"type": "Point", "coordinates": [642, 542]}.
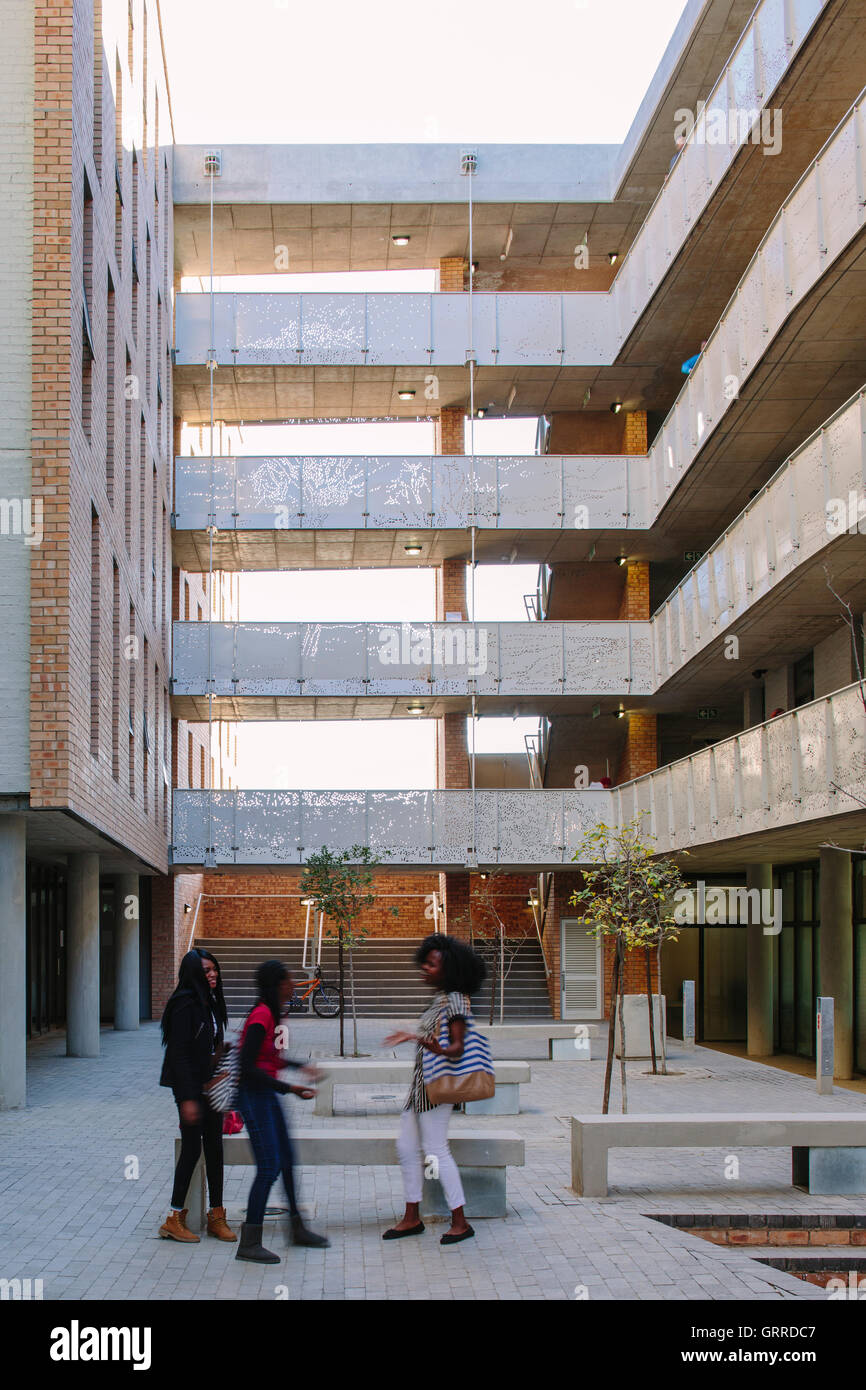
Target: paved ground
{"type": "Point", "coordinates": [85, 1177]}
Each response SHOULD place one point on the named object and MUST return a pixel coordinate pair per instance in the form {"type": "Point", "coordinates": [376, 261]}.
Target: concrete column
{"type": "Point", "coordinates": [13, 962]}
{"type": "Point", "coordinates": [759, 967]}
{"type": "Point", "coordinates": [753, 706]}
{"type": "Point", "coordinates": [82, 956]}
{"type": "Point", "coordinates": [126, 922]}
{"type": "Point", "coordinates": [640, 751]}
{"type": "Point", "coordinates": [836, 947]}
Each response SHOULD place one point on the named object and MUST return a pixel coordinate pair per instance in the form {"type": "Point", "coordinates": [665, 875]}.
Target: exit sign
{"type": "Point", "coordinates": [691, 557]}
{"type": "Point", "coordinates": [708, 712]}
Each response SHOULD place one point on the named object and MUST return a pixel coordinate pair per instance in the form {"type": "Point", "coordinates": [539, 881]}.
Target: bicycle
{"type": "Point", "coordinates": [325, 997]}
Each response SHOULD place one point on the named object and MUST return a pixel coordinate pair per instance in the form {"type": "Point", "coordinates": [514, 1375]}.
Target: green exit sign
{"type": "Point", "coordinates": [691, 557]}
{"type": "Point", "coordinates": [708, 712]}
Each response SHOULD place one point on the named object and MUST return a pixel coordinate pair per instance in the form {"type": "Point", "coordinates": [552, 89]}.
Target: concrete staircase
{"type": "Point", "coordinates": [387, 982]}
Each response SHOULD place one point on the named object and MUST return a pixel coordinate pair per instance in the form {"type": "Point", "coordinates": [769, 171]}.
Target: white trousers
{"type": "Point", "coordinates": [422, 1144]}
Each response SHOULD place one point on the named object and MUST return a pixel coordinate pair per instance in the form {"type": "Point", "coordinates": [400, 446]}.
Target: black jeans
{"type": "Point", "coordinates": [207, 1134]}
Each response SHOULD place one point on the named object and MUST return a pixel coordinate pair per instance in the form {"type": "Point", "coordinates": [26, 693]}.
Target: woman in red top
{"type": "Point", "coordinates": [258, 1102]}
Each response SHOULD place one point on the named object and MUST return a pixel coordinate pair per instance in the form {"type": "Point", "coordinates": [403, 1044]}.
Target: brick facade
{"type": "Point", "coordinates": [640, 752]}
{"type": "Point", "coordinates": [100, 424]}
{"type": "Point", "coordinates": [453, 273]}
{"type": "Point", "coordinates": [450, 431]}
{"type": "Point", "coordinates": [635, 602]}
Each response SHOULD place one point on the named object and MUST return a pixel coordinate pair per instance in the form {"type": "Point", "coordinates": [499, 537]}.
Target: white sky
{"type": "Point", "coordinates": [271, 71]}
{"type": "Point", "coordinates": [340, 71]}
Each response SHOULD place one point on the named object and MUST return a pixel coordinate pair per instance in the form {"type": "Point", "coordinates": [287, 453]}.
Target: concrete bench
{"type": "Point", "coordinates": [828, 1151]}
{"type": "Point", "coordinates": [481, 1157]}
{"type": "Point", "coordinates": [383, 1071]}
{"type": "Point", "coordinates": [564, 1042]}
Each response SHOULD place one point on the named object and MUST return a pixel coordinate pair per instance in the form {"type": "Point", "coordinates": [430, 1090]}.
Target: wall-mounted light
{"type": "Point", "coordinates": [413, 548]}
{"type": "Point", "coordinates": [613, 257]}
{"type": "Point", "coordinates": [187, 907]}
{"type": "Point", "coordinates": [619, 714]}
{"type": "Point", "coordinates": [622, 559]}
{"type": "Point", "coordinates": [474, 267]}
{"type": "Point", "coordinates": [480, 412]}
{"type": "Point", "coordinates": [406, 395]}
{"type": "Point", "coordinates": [400, 240]}
{"type": "Point", "coordinates": [616, 407]}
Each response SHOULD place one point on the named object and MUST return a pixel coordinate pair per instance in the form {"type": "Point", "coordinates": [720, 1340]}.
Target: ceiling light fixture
{"type": "Point", "coordinates": [613, 257]}
{"type": "Point", "coordinates": [622, 559]}
{"type": "Point", "coordinates": [616, 407]}
{"type": "Point", "coordinates": [400, 240]}
{"type": "Point", "coordinates": [415, 709]}
{"type": "Point", "coordinates": [406, 395]}
{"type": "Point", "coordinates": [413, 548]}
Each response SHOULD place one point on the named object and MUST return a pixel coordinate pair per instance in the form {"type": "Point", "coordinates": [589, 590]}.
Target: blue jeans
{"type": "Point", "coordinates": [269, 1136]}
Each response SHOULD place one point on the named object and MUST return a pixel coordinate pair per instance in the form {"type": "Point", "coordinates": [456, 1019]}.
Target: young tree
{"type": "Point", "coordinates": [341, 885]}
{"type": "Point", "coordinates": [628, 895]}
{"type": "Point", "coordinates": [483, 918]}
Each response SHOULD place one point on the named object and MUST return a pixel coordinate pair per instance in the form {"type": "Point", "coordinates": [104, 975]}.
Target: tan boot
{"type": "Point", "coordinates": [175, 1228]}
{"type": "Point", "coordinates": [218, 1226]}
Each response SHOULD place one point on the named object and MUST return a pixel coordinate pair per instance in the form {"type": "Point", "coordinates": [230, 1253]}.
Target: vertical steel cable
{"type": "Point", "coordinates": [210, 533]}
{"type": "Point", "coordinates": [471, 175]}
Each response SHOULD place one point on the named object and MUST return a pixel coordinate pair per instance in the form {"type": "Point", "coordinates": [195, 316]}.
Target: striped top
{"type": "Point", "coordinates": [454, 1006]}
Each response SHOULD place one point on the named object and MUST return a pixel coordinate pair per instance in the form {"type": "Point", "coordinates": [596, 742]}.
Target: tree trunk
{"type": "Point", "coordinates": [649, 995]}
{"type": "Point", "coordinates": [662, 1040]}
{"type": "Point", "coordinates": [501, 976]}
{"type": "Point", "coordinates": [622, 1041]}
{"type": "Point", "coordinates": [608, 1071]}
{"type": "Point", "coordinates": [352, 997]}
{"type": "Point", "coordinates": [340, 982]}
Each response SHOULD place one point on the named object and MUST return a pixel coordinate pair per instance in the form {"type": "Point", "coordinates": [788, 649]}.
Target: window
{"type": "Point", "coordinates": [94, 632]}
{"type": "Point", "coordinates": [131, 653]}
{"type": "Point", "coordinates": [115, 671]}
{"type": "Point", "coordinates": [110, 399]}
{"type": "Point", "coordinates": [97, 87]}
{"type": "Point", "coordinates": [87, 349]}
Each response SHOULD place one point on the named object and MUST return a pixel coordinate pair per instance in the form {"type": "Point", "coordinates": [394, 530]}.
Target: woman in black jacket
{"type": "Point", "coordinates": [193, 1033]}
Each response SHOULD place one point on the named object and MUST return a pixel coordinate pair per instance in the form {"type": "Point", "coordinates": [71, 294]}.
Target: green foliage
{"type": "Point", "coordinates": [627, 893]}
{"type": "Point", "coordinates": [341, 885]}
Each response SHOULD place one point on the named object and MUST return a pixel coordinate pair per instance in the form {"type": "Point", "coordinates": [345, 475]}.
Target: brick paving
{"type": "Point", "coordinates": [71, 1216]}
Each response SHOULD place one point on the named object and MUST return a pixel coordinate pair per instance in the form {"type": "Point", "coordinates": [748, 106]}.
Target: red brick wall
{"type": "Point", "coordinates": [451, 588]}
{"type": "Point", "coordinates": [232, 914]}
{"type": "Point", "coordinates": [635, 602]}
{"type": "Point", "coordinates": [450, 431]}
{"type": "Point", "coordinates": [640, 754]}
{"type": "Point", "coordinates": [564, 884]}
{"type": "Point", "coordinates": [453, 271]}
{"type": "Point", "coordinates": [170, 931]}
{"type": "Point", "coordinates": [452, 754]}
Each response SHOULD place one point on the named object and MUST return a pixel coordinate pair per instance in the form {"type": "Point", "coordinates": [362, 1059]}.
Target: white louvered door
{"type": "Point", "coordinates": [581, 980]}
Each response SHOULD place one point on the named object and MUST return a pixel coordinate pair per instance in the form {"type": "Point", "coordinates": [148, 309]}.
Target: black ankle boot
{"type": "Point", "coordinates": [302, 1236]}
{"type": "Point", "coordinates": [250, 1247]}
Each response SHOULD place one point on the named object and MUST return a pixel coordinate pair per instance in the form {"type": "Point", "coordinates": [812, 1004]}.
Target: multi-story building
{"type": "Point", "coordinates": [89, 746]}
{"type": "Point", "coordinates": [699, 531]}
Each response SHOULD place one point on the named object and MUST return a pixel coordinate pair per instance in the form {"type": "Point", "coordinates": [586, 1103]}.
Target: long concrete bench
{"type": "Point", "coordinates": [481, 1157]}
{"type": "Point", "coordinates": [566, 1042]}
{"type": "Point", "coordinates": [828, 1151]}
{"type": "Point", "coordinates": [384, 1071]}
